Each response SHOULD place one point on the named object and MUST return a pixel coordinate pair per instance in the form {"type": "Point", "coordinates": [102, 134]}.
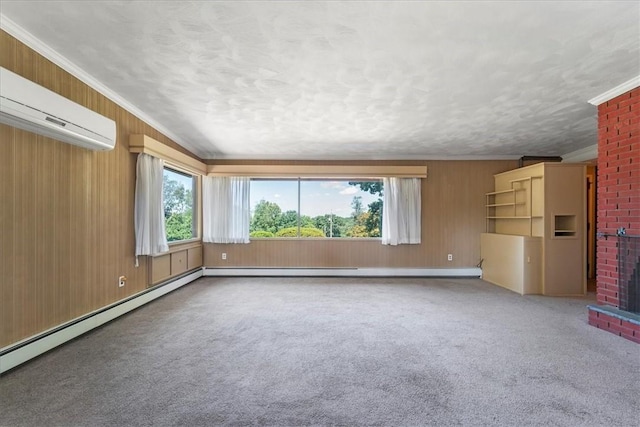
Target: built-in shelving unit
{"type": "Point", "coordinates": [536, 214]}
{"type": "Point", "coordinates": [564, 226]}
{"type": "Point", "coordinates": [514, 203]}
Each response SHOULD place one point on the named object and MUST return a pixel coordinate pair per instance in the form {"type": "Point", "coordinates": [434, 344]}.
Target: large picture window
{"type": "Point", "coordinates": [179, 195]}
{"type": "Point", "coordinates": [302, 208]}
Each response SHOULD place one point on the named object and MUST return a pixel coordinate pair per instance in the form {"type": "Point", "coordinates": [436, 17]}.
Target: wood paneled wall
{"type": "Point", "coordinates": [66, 213]}
{"type": "Point", "coordinates": [453, 210]}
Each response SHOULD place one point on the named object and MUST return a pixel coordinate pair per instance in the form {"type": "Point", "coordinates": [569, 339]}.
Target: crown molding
{"type": "Point", "coordinates": [581, 155]}
{"type": "Point", "coordinates": [632, 83]}
{"type": "Point", "coordinates": [318, 171]}
{"type": "Point", "coordinates": [415, 157]}
{"type": "Point", "coordinates": [45, 50]}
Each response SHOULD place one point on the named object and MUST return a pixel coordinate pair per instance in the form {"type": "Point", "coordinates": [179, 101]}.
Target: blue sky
{"type": "Point", "coordinates": [317, 197]}
{"type": "Point", "coordinates": [186, 181]}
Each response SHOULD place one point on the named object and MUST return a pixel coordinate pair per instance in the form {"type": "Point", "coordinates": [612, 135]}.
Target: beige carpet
{"type": "Point", "coordinates": [291, 351]}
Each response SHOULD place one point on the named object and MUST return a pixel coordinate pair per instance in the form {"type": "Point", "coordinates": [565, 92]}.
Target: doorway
{"type": "Point", "coordinates": [591, 227]}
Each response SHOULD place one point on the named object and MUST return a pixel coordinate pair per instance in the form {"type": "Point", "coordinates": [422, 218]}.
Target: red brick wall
{"type": "Point", "coordinates": [623, 328]}
{"type": "Point", "coordinates": [618, 184]}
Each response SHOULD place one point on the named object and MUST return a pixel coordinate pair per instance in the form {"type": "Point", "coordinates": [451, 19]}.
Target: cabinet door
{"type": "Point", "coordinates": [178, 262]}
{"type": "Point", "coordinates": [194, 257]}
{"type": "Point", "coordinates": [160, 268]}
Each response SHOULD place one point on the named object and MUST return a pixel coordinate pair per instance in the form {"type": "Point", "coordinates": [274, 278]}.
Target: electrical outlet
{"type": "Point", "coordinates": [224, 255]}
{"type": "Point", "coordinates": [122, 280]}
{"type": "Point", "coordinates": [450, 257]}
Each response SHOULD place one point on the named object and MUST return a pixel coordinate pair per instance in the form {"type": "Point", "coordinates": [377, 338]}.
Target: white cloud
{"type": "Point", "coordinates": [277, 196]}
{"type": "Point", "coordinates": [349, 190]}
{"type": "Point", "coordinates": [332, 184]}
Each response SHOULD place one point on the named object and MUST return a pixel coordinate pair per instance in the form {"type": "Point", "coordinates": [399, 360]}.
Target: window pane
{"type": "Point", "coordinates": [342, 208]}
{"type": "Point", "coordinates": [274, 208]}
{"type": "Point", "coordinates": [179, 193]}
{"type": "Point", "coordinates": [327, 208]}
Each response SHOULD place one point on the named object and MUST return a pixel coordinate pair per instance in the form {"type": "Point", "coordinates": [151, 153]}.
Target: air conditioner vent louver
{"type": "Point", "coordinates": [52, 120]}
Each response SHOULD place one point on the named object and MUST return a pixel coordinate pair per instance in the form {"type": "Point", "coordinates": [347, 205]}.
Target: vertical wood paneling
{"type": "Point", "coordinates": [66, 214]}
{"type": "Point", "coordinates": [45, 220]}
{"type": "Point", "coordinates": [24, 234]}
{"type": "Point", "coordinates": [79, 252]}
{"type": "Point", "coordinates": [62, 231]}
{"type": "Point", "coordinates": [7, 232]}
{"type": "Point", "coordinates": [453, 217]}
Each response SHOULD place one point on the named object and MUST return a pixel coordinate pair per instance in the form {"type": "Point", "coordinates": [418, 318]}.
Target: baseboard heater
{"type": "Point", "coordinates": [27, 349]}
{"type": "Point", "coordinates": [345, 272]}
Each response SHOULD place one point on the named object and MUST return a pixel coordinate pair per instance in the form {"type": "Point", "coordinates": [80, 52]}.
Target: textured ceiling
{"type": "Point", "coordinates": [339, 80]}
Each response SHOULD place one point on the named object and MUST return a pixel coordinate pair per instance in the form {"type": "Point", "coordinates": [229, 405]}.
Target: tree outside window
{"type": "Point", "coordinates": [178, 196]}
{"type": "Point", "coordinates": [315, 208]}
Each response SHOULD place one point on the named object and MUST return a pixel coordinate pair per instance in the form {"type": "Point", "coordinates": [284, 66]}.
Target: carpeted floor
{"type": "Point", "coordinates": [303, 351]}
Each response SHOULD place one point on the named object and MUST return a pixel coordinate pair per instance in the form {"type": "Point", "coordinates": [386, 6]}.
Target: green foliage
{"type": "Point", "coordinates": [179, 226]}
{"type": "Point", "coordinates": [357, 231]}
{"type": "Point", "coordinates": [304, 232]}
{"type": "Point", "coordinates": [332, 225]}
{"type": "Point", "coordinates": [356, 205]}
{"type": "Point", "coordinates": [268, 220]}
{"type": "Point", "coordinates": [177, 198]}
{"type": "Point", "coordinates": [267, 216]}
{"type": "Point", "coordinates": [288, 219]}
{"type": "Point", "coordinates": [306, 221]}
{"type": "Point", "coordinates": [178, 209]}
{"type": "Point", "coordinates": [372, 187]}
{"type": "Point", "coordinates": [261, 234]}
{"type": "Point", "coordinates": [373, 223]}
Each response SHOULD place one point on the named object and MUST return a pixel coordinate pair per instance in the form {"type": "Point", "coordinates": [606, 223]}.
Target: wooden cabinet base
{"type": "Point", "coordinates": [513, 262]}
{"type": "Point", "coordinates": [174, 263]}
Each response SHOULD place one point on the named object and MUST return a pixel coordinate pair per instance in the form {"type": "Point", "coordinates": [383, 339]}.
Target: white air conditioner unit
{"type": "Point", "coordinates": [28, 106]}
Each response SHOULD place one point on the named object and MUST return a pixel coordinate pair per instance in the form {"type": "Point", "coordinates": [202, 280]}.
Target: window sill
{"type": "Point", "coordinates": [179, 245]}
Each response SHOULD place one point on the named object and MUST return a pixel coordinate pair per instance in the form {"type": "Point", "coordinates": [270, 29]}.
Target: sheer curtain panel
{"type": "Point", "coordinates": [401, 211]}
{"type": "Point", "coordinates": [151, 237]}
{"type": "Point", "coordinates": [225, 209]}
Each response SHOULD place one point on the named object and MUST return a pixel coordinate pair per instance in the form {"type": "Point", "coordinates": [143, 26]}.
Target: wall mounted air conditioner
{"type": "Point", "coordinates": [28, 106]}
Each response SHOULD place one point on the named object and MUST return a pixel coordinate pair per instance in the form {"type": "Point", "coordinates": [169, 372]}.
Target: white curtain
{"type": "Point", "coordinates": [151, 237]}
{"type": "Point", "coordinates": [225, 209]}
{"type": "Point", "coordinates": [401, 211]}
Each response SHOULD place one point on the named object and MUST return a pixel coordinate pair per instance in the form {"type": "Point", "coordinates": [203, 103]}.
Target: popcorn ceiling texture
{"type": "Point", "coordinates": [353, 79]}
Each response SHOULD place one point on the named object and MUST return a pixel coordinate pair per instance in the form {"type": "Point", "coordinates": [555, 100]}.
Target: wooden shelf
{"type": "Point", "coordinates": [527, 178]}
{"type": "Point", "coordinates": [509, 217]}
{"type": "Point", "coordinates": [500, 192]}
{"type": "Point", "coordinates": [494, 205]}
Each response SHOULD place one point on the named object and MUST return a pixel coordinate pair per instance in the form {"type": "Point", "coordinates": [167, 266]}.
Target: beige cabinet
{"type": "Point", "coordinates": [546, 201]}
{"type": "Point", "coordinates": [513, 262]}
{"type": "Point", "coordinates": [178, 261]}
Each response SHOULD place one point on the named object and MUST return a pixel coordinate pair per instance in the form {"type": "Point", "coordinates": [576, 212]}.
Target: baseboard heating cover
{"type": "Point", "coordinates": [27, 349]}
{"type": "Point", "coordinates": [346, 272]}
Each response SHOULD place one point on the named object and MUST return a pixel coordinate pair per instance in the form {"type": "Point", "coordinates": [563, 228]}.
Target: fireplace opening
{"type": "Point", "coordinates": [629, 272]}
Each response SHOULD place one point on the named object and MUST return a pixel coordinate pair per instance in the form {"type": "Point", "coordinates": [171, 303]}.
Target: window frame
{"type": "Point", "coordinates": [196, 227]}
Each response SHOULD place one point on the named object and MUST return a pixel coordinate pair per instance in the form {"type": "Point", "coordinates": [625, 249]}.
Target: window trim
{"type": "Point", "coordinates": [179, 161]}
{"type": "Point", "coordinates": [327, 171]}
{"type": "Point", "coordinates": [196, 225]}
{"type": "Point", "coordinates": [139, 143]}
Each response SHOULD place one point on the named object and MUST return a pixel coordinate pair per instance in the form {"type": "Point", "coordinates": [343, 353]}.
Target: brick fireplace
{"type": "Point", "coordinates": [618, 218]}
